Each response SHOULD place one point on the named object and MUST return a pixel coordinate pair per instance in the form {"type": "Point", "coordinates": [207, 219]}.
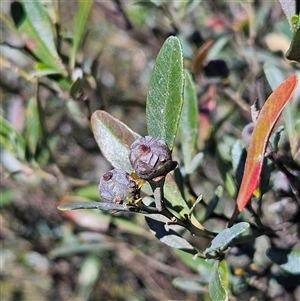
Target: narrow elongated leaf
{"type": "Point", "coordinates": [289, 260]}
{"type": "Point", "coordinates": [33, 128]}
{"type": "Point", "coordinates": [11, 139]}
{"type": "Point", "coordinates": [189, 285]}
{"type": "Point", "coordinates": [35, 27]}
{"type": "Point", "coordinates": [188, 123]}
{"type": "Point", "coordinates": [260, 136]}
{"type": "Point", "coordinates": [83, 11]}
{"type": "Point", "coordinates": [165, 95]}
{"type": "Point", "coordinates": [93, 205]}
{"type": "Point", "coordinates": [200, 265]}
{"type": "Point", "coordinates": [216, 288]}
{"type": "Point", "coordinates": [238, 157]}
{"type": "Point", "coordinates": [225, 237]}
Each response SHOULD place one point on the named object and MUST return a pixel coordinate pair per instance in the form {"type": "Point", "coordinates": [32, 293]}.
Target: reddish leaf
{"type": "Point", "coordinates": [264, 125]}
{"type": "Point", "coordinates": [200, 57]}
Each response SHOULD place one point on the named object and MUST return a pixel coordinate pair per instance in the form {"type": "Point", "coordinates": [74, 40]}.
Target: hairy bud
{"type": "Point", "coordinates": [116, 186]}
{"type": "Point", "coordinates": [150, 158]}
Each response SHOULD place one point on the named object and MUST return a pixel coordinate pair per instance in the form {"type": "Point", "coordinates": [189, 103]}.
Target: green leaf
{"type": "Point", "coordinates": [44, 151]}
{"type": "Point", "coordinates": [189, 285]}
{"type": "Point", "coordinates": [213, 202]}
{"type": "Point", "coordinates": [75, 87]}
{"type": "Point", "coordinates": [188, 123]}
{"type": "Point", "coordinates": [90, 192]}
{"type": "Point", "coordinates": [173, 195]}
{"type": "Point", "coordinates": [293, 53]}
{"type": "Point", "coordinates": [83, 11]}
{"type": "Point", "coordinates": [238, 158]}
{"type": "Point", "coordinates": [88, 274]}
{"type": "Point", "coordinates": [200, 265]}
{"type": "Point", "coordinates": [6, 197]}
{"type": "Point", "coordinates": [168, 237]}
{"type": "Point", "coordinates": [225, 169]}
{"type": "Point", "coordinates": [195, 163]}
{"type": "Point", "coordinates": [165, 95]}
{"type": "Point", "coordinates": [93, 205]}
{"type": "Point", "coordinates": [79, 248]}
{"type": "Point", "coordinates": [36, 29]}
{"type": "Point", "coordinates": [288, 260]}
{"type": "Point", "coordinates": [114, 139]}
{"type": "Point", "coordinates": [33, 127]}
{"type": "Point", "coordinates": [225, 237]}
{"type": "Point", "coordinates": [216, 289]}
{"type": "Point", "coordinates": [11, 139]}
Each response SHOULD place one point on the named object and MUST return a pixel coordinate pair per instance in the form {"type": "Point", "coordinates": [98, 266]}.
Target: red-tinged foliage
{"type": "Point", "coordinates": [264, 125]}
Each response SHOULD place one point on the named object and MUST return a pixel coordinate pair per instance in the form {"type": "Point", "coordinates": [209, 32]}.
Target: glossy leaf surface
{"type": "Point", "coordinates": [165, 95]}
{"type": "Point", "coordinates": [264, 125]}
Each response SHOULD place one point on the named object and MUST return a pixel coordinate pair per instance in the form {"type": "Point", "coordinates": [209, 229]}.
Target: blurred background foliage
{"type": "Point", "coordinates": [61, 61]}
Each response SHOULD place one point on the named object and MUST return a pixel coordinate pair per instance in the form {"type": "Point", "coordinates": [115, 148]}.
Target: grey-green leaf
{"type": "Point", "coordinates": [93, 205]}
{"type": "Point", "coordinates": [114, 139]}
{"type": "Point", "coordinates": [33, 127]}
{"type": "Point", "coordinates": [188, 123]}
{"type": "Point", "coordinates": [83, 11]}
{"type": "Point", "coordinates": [216, 289]}
{"type": "Point", "coordinates": [189, 285]}
{"type": "Point", "coordinates": [165, 95]}
{"type": "Point", "coordinates": [170, 237]}
{"type": "Point", "coordinates": [289, 260]}
{"type": "Point", "coordinates": [225, 237]}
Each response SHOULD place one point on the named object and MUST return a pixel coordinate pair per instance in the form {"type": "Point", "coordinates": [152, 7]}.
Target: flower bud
{"type": "Point", "coordinates": [150, 158]}
{"type": "Point", "coordinates": [247, 134]}
{"type": "Point", "coordinates": [116, 186]}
